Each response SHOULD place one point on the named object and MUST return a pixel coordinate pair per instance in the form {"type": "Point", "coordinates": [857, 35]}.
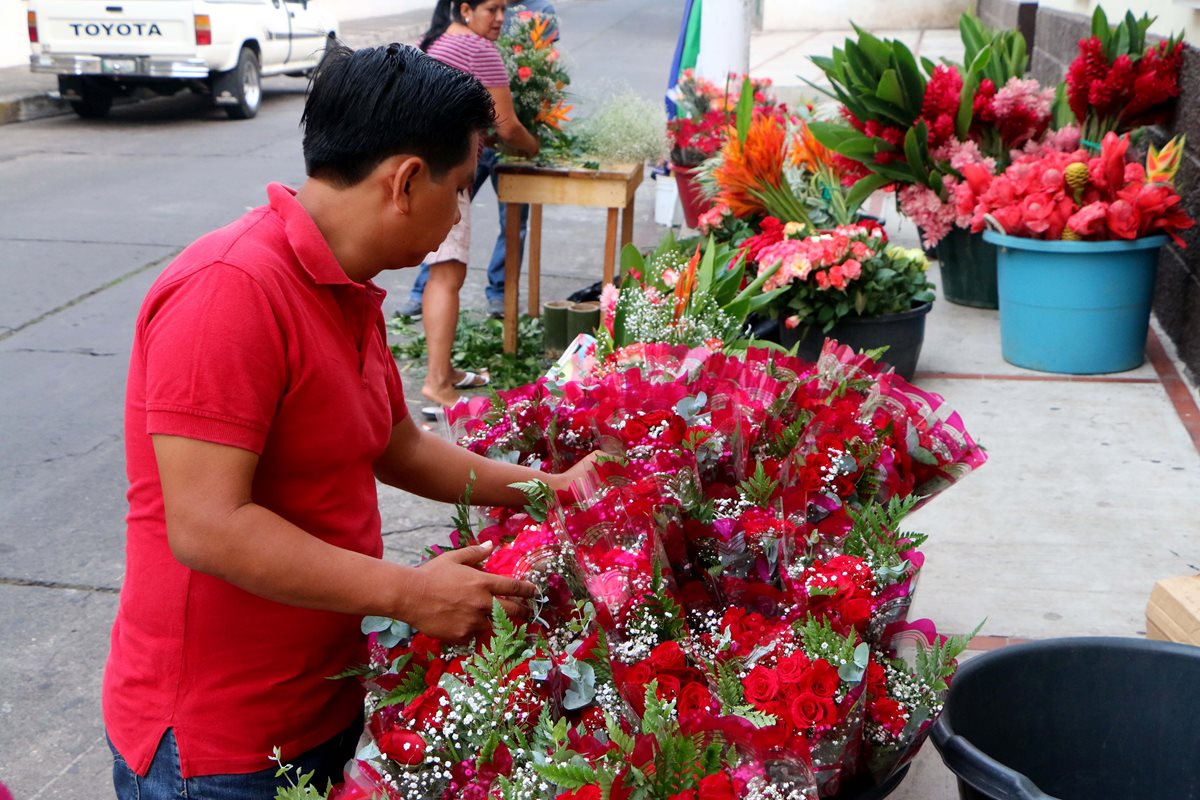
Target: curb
{"type": "Point", "coordinates": [22, 108]}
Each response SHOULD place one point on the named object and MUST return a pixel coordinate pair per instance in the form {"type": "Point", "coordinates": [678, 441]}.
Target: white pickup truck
{"type": "Point", "coordinates": [222, 48]}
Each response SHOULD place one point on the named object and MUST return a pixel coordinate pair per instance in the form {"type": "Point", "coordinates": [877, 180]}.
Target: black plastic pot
{"type": "Point", "coordinates": [903, 334]}
{"type": "Point", "coordinates": [968, 269]}
{"type": "Point", "coordinates": [1075, 719]}
{"type": "Point", "coordinates": [864, 791]}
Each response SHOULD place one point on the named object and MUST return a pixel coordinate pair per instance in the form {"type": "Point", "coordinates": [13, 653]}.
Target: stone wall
{"type": "Point", "coordinates": [1056, 36]}
{"type": "Point", "coordinates": [1010, 14]}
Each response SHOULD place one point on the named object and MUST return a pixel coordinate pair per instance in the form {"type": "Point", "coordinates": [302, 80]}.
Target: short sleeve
{"type": "Point", "coordinates": [395, 385]}
{"type": "Point", "coordinates": [215, 359]}
{"type": "Point", "coordinates": [488, 66]}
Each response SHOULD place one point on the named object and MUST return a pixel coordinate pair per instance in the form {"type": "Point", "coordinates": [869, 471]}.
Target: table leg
{"type": "Point", "coordinates": [535, 260]}
{"type": "Point", "coordinates": [627, 224]}
{"type": "Point", "coordinates": [610, 245]}
{"type": "Point", "coordinates": [512, 274]}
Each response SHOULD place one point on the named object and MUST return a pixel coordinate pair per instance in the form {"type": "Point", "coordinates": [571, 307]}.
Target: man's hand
{"type": "Point", "coordinates": [453, 599]}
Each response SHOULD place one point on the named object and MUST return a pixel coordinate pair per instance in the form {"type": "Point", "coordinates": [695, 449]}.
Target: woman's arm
{"type": "Point", "coordinates": [508, 127]}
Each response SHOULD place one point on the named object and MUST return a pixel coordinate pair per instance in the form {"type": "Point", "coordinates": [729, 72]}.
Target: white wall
{"type": "Point", "coordinates": [1172, 15]}
{"type": "Point", "coordinates": [874, 15]}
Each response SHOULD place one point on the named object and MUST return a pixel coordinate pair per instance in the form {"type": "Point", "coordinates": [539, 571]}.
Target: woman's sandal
{"type": "Point", "coordinates": [471, 380]}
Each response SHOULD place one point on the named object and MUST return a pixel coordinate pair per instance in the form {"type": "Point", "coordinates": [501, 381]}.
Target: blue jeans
{"type": "Point", "coordinates": [495, 271]}
{"type": "Point", "coordinates": [164, 782]}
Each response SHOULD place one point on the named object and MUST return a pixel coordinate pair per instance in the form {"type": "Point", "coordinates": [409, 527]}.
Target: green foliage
{"type": "Point", "coordinates": [299, 789]}
{"type": "Point", "coordinates": [479, 345]}
{"type": "Point", "coordinates": [409, 689]}
{"type": "Point", "coordinates": [936, 663]}
{"type": "Point", "coordinates": [822, 641]}
{"type": "Point", "coordinates": [539, 496]}
{"type": "Point", "coordinates": [1009, 51]}
{"type": "Point", "coordinates": [492, 662]}
{"type": "Point", "coordinates": [875, 534]}
{"type": "Point", "coordinates": [876, 79]}
{"type": "Point", "coordinates": [462, 514]}
{"type": "Point", "coordinates": [758, 489]}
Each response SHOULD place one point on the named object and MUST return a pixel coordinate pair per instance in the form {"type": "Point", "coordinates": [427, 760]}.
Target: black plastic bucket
{"type": "Point", "coordinates": [902, 333]}
{"type": "Point", "coordinates": [1076, 719]}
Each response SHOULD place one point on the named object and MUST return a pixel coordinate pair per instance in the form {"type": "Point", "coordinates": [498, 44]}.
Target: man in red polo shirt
{"type": "Point", "coordinates": [262, 404]}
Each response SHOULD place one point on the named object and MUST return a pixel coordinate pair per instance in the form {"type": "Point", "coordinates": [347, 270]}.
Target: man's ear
{"type": "Point", "coordinates": [403, 179]}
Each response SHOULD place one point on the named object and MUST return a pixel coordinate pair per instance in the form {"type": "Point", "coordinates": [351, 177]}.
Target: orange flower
{"type": "Point", "coordinates": [685, 284]}
{"type": "Point", "coordinates": [747, 170]}
{"type": "Point", "coordinates": [807, 152]}
{"type": "Point", "coordinates": [553, 117]}
{"type": "Point", "coordinates": [537, 32]}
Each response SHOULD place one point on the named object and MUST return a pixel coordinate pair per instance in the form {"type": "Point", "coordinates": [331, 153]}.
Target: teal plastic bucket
{"type": "Point", "coordinates": [1080, 308]}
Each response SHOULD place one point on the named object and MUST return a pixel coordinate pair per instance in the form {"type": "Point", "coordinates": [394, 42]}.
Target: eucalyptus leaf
{"type": "Point", "coordinates": [375, 624]}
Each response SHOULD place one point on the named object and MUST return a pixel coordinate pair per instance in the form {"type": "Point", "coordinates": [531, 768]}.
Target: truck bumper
{"type": "Point", "coordinates": [119, 66]}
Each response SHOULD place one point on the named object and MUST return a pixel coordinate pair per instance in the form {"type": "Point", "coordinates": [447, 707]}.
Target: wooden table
{"type": "Point", "coordinates": [611, 187]}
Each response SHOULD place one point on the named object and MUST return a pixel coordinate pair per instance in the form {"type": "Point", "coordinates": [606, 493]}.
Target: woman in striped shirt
{"type": "Point", "coordinates": [463, 34]}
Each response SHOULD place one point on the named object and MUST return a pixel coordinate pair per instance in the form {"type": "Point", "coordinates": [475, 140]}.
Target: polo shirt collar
{"type": "Point", "coordinates": [305, 238]}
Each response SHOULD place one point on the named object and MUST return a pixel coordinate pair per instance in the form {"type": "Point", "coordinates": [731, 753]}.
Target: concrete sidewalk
{"type": "Point", "coordinates": [26, 95]}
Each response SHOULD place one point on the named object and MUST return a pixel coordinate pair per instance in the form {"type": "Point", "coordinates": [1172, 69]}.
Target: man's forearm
{"type": "Point", "coordinates": [259, 551]}
{"type": "Point", "coordinates": [432, 467]}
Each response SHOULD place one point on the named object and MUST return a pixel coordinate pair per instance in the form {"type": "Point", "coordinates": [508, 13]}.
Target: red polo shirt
{"type": "Point", "coordinates": [254, 337]}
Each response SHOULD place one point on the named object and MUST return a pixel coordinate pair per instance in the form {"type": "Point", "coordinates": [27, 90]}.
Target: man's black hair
{"type": "Point", "coordinates": [364, 106]}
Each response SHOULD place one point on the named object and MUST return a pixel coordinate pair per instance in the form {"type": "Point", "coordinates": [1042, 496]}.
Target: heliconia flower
{"type": "Point", "coordinates": [1161, 165]}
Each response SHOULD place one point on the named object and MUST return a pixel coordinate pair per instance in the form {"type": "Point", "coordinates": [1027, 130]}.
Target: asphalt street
{"type": "Point", "coordinates": [90, 213]}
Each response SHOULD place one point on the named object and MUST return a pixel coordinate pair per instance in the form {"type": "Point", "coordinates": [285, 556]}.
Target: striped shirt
{"type": "Point", "coordinates": [473, 55]}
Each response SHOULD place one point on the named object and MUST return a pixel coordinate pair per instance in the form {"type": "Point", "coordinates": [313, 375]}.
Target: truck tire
{"type": "Point", "coordinates": [96, 99]}
{"type": "Point", "coordinates": [244, 82]}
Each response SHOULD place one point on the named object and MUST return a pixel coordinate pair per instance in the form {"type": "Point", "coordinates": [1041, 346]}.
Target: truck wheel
{"type": "Point", "coordinates": [95, 100]}
{"type": "Point", "coordinates": [245, 85]}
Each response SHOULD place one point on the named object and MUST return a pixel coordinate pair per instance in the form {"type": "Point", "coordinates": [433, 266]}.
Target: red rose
{"type": "Point", "coordinates": [686, 794]}
{"type": "Point", "coordinates": [718, 786]}
{"type": "Point", "coordinates": [807, 710]}
{"type": "Point", "coordinates": [792, 669]}
{"type": "Point", "coordinates": [589, 792]}
{"type": "Point", "coordinates": [889, 713]}
{"type": "Point", "coordinates": [421, 711]}
{"type": "Point", "coordinates": [524, 73]}
{"type": "Point", "coordinates": [761, 685]}
{"type": "Point", "coordinates": [634, 431]}
{"type": "Point", "coordinates": [403, 746]}
{"type": "Point", "coordinates": [667, 656]}
{"type": "Point", "coordinates": [638, 674]}
{"type": "Point", "coordinates": [668, 687]}
{"type": "Point", "coordinates": [823, 679]}
{"type": "Point", "coordinates": [695, 698]}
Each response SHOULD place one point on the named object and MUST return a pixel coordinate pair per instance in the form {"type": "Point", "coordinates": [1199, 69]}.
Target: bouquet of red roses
{"type": "Point", "coordinates": [722, 605]}
{"type": "Point", "coordinates": [1118, 82]}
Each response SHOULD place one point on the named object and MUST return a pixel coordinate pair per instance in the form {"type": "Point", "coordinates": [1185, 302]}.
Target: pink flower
{"type": "Point", "coordinates": [852, 269]}
{"type": "Point", "coordinates": [524, 73]}
{"type": "Point", "coordinates": [712, 218]}
{"type": "Point", "coordinates": [922, 205]}
{"type": "Point", "coordinates": [608, 304]}
{"type": "Point", "coordinates": [669, 278]}
{"type": "Point", "coordinates": [1089, 220]}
